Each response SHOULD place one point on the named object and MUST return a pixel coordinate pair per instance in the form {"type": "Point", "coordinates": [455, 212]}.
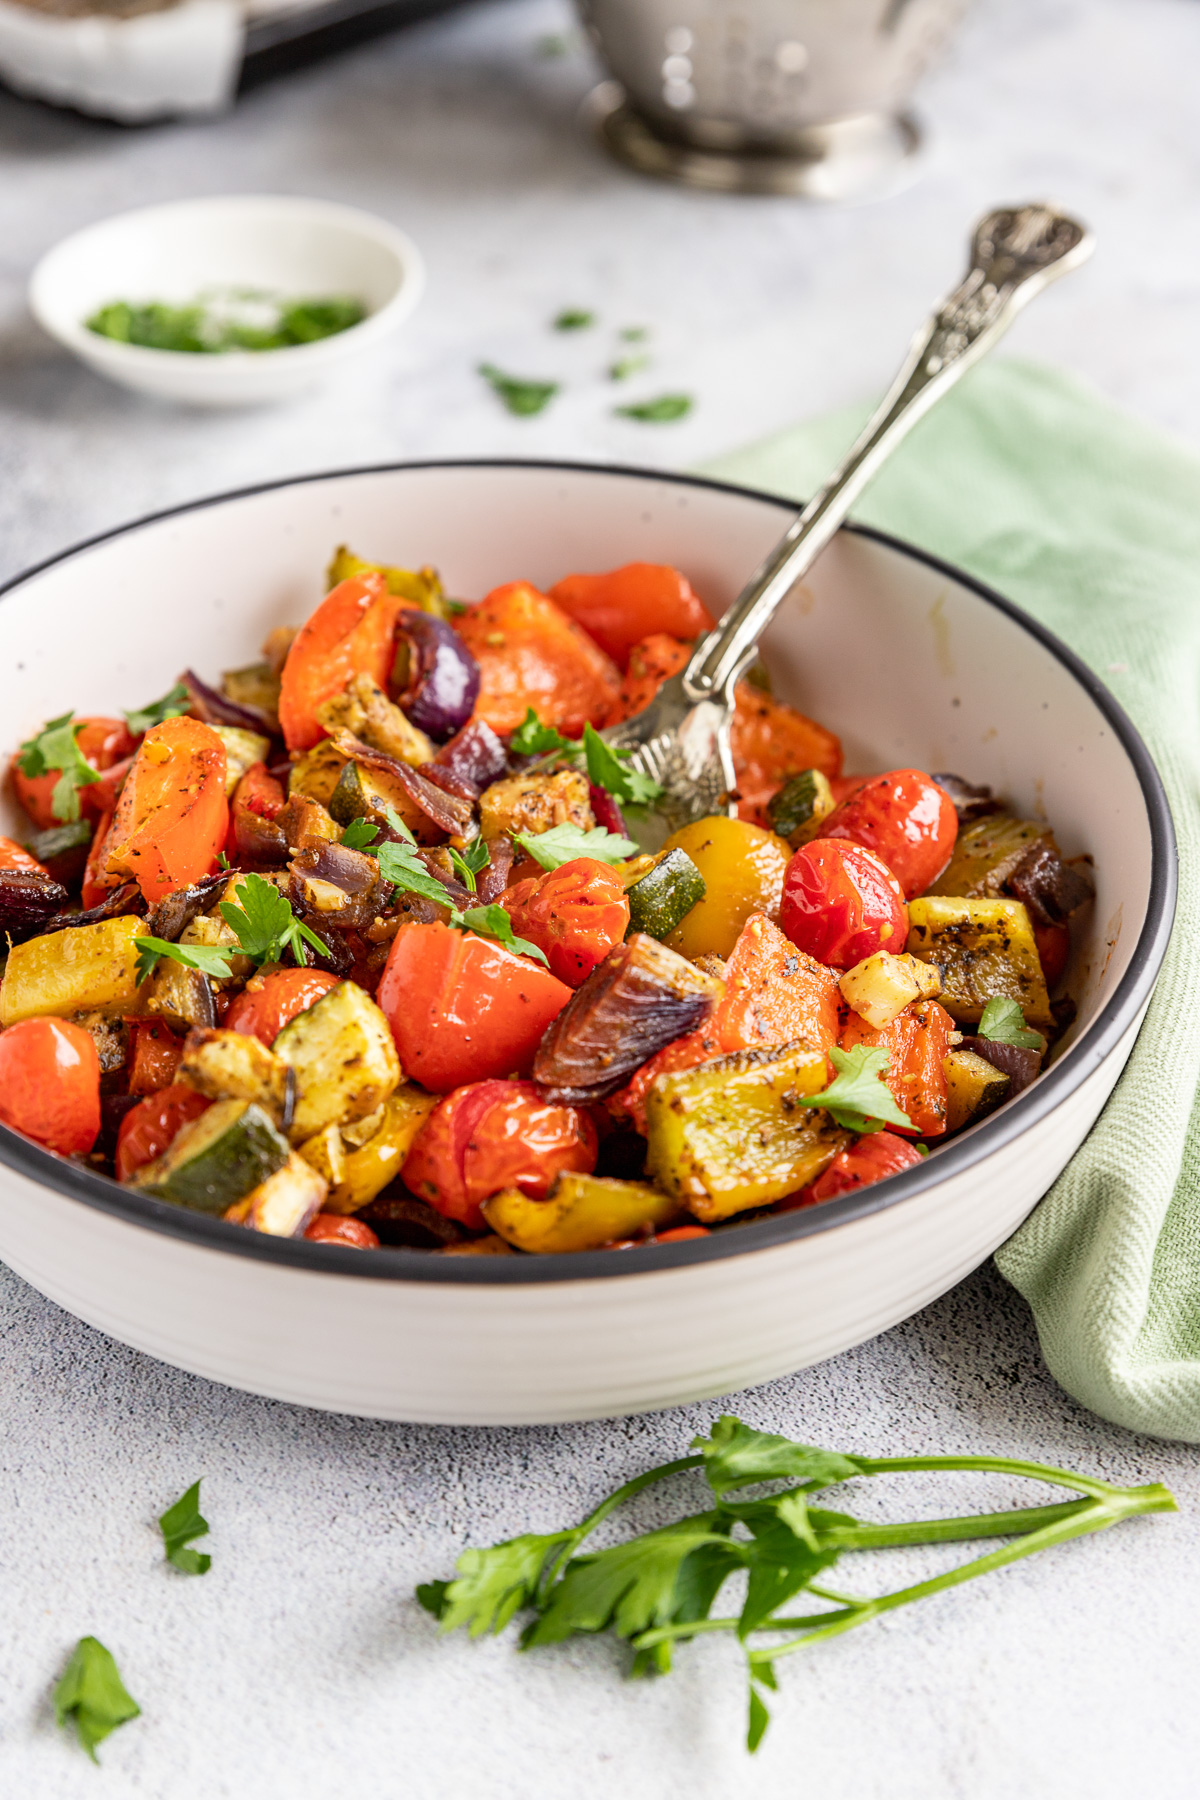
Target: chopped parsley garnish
{"type": "Point", "coordinates": [563, 843]}
{"type": "Point", "coordinates": [607, 768]}
{"type": "Point", "coordinates": [858, 1098]}
{"type": "Point", "coordinates": [663, 411]}
{"type": "Point", "coordinates": [532, 738]}
{"type": "Point", "coordinates": [494, 922]}
{"type": "Point", "coordinates": [169, 707]}
{"type": "Point", "coordinates": [210, 959]}
{"type": "Point", "coordinates": [231, 319]}
{"type": "Point", "coordinates": [179, 1525]}
{"type": "Point", "coordinates": [574, 318]}
{"type": "Point", "coordinates": [359, 834]}
{"type": "Point", "coordinates": [401, 865]}
{"type": "Point", "coordinates": [92, 1693]}
{"type": "Point", "coordinates": [55, 751]}
{"type": "Point", "coordinates": [525, 398]}
{"type": "Point", "coordinates": [1003, 1022]}
{"type": "Point", "coordinates": [265, 924]}
{"type": "Point", "coordinates": [470, 862]}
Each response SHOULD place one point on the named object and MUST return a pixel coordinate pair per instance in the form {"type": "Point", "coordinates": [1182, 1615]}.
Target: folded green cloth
{"type": "Point", "coordinates": [1091, 522]}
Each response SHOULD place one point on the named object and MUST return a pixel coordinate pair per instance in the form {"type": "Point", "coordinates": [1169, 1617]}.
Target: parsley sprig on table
{"type": "Point", "coordinates": [659, 1588]}
{"type": "Point", "coordinates": [857, 1098]}
{"type": "Point", "coordinates": [606, 766]}
{"type": "Point", "coordinates": [54, 750]}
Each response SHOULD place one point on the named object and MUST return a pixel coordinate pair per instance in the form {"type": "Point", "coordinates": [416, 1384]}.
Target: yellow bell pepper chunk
{"type": "Point", "coordinates": [88, 968]}
{"type": "Point", "coordinates": [582, 1212]}
{"type": "Point", "coordinates": [368, 1169]}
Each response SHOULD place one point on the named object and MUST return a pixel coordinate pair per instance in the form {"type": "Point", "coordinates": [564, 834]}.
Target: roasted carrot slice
{"type": "Point", "coordinates": [917, 1042]}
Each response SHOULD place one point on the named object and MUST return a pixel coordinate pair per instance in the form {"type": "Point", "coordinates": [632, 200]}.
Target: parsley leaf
{"type": "Point", "coordinates": [735, 1455]}
{"type": "Point", "coordinates": [169, 707]}
{"type": "Point", "coordinates": [54, 750]}
{"type": "Point", "coordinates": [359, 834]}
{"type": "Point", "coordinates": [471, 861]}
{"type": "Point", "coordinates": [563, 843]}
{"type": "Point", "coordinates": [1003, 1022]}
{"type": "Point", "coordinates": [574, 318]}
{"type": "Point", "coordinates": [210, 959]}
{"type": "Point", "coordinates": [857, 1098]}
{"type": "Point", "coordinates": [532, 738]}
{"type": "Point", "coordinates": [632, 1587]}
{"type": "Point", "coordinates": [663, 411]}
{"type": "Point", "coordinates": [92, 1693]}
{"type": "Point", "coordinates": [492, 1585]}
{"type": "Point", "coordinates": [265, 924]}
{"type": "Point", "coordinates": [634, 334]}
{"type": "Point", "coordinates": [179, 1524]}
{"type": "Point", "coordinates": [401, 865]}
{"type": "Point", "coordinates": [606, 768]}
{"type": "Point", "coordinates": [525, 398]}
{"type": "Point", "coordinates": [494, 922]}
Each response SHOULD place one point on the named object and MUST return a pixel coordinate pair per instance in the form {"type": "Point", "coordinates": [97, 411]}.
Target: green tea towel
{"type": "Point", "coordinates": [1091, 522]}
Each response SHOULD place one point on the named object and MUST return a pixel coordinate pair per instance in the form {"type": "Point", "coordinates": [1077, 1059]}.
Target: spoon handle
{"type": "Point", "coordinates": [1015, 253]}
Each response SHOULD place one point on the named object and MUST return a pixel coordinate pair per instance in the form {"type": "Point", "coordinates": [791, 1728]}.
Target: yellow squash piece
{"type": "Point", "coordinates": [535, 803]}
{"type": "Point", "coordinates": [974, 1088]}
{"type": "Point", "coordinates": [742, 867]}
{"type": "Point", "coordinates": [375, 1162]}
{"type": "Point", "coordinates": [581, 1212]}
{"type": "Point", "coordinates": [242, 750]}
{"type": "Point", "coordinates": [327, 1155]}
{"type": "Point", "coordinates": [983, 948]}
{"type": "Point", "coordinates": [986, 853]}
{"type": "Point", "coordinates": [283, 1204]}
{"type": "Point", "coordinates": [233, 1065]}
{"type": "Point", "coordinates": [421, 586]}
{"type": "Point", "coordinates": [88, 968]}
{"type": "Point", "coordinates": [318, 772]}
{"type": "Point", "coordinates": [344, 1057]}
{"type": "Point", "coordinates": [880, 987]}
{"type": "Point", "coordinates": [733, 1134]}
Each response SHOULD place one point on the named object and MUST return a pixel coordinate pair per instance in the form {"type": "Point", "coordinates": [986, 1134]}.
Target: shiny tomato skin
{"type": "Point", "coordinates": [102, 742]}
{"type": "Point", "coordinates": [575, 915]}
{"type": "Point", "coordinates": [842, 903]}
{"type": "Point", "coordinates": [341, 1228]}
{"type": "Point", "coordinates": [50, 1084]}
{"type": "Point", "coordinates": [149, 1127]}
{"type": "Point", "coordinates": [492, 1135]}
{"type": "Point", "coordinates": [270, 1002]}
{"type": "Point", "coordinates": [867, 1160]}
{"type": "Point", "coordinates": [462, 1008]}
{"type": "Point", "coordinates": [154, 1053]}
{"type": "Point", "coordinates": [906, 819]}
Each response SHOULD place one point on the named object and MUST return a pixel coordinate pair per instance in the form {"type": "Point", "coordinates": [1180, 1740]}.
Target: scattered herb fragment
{"type": "Point", "coordinates": [525, 398]}
{"type": "Point", "coordinates": [55, 751]}
{"type": "Point", "coordinates": [607, 768]}
{"type": "Point", "coordinates": [223, 861]}
{"type": "Point", "coordinates": [663, 411]}
{"type": "Point", "coordinates": [210, 959]}
{"type": "Point", "coordinates": [360, 834]}
{"type": "Point", "coordinates": [634, 334]}
{"type": "Point", "coordinates": [563, 843]}
{"type": "Point", "coordinates": [574, 318]}
{"type": "Point", "coordinates": [626, 366]}
{"type": "Point", "coordinates": [494, 922]}
{"type": "Point", "coordinates": [857, 1098]}
{"type": "Point", "coordinates": [401, 864]}
{"type": "Point", "coordinates": [470, 862]}
{"type": "Point", "coordinates": [1003, 1022]}
{"type": "Point", "coordinates": [265, 924]}
{"type": "Point", "coordinates": [552, 44]}
{"type": "Point", "coordinates": [179, 1525]}
{"type": "Point", "coordinates": [92, 1693]}
{"type": "Point", "coordinates": [532, 738]}
{"type": "Point", "coordinates": [659, 1588]}
{"type": "Point", "coordinates": [169, 707]}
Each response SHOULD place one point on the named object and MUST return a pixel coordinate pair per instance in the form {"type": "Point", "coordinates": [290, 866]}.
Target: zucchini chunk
{"type": "Point", "coordinates": [344, 1057]}
{"type": "Point", "coordinates": [92, 968]}
{"type": "Point", "coordinates": [973, 1088]}
{"type": "Point", "coordinates": [661, 896]}
{"type": "Point", "coordinates": [242, 750]}
{"type": "Point", "coordinates": [797, 810]}
{"type": "Point", "coordinates": [217, 1159]}
{"type": "Point", "coordinates": [880, 987]}
{"type": "Point", "coordinates": [581, 1212]}
{"type": "Point", "coordinates": [367, 793]}
{"type": "Point", "coordinates": [983, 948]}
{"type": "Point", "coordinates": [283, 1204]}
{"type": "Point", "coordinates": [730, 1134]}
{"type": "Point", "coordinates": [232, 1065]}
{"type": "Point", "coordinates": [986, 853]}
{"type": "Point", "coordinates": [372, 1161]}
{"type": "Point", "coordinates": [256, 686]}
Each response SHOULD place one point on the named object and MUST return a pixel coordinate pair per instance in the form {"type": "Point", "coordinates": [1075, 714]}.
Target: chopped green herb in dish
{"type": "Point", "coordinates": [236, 319]}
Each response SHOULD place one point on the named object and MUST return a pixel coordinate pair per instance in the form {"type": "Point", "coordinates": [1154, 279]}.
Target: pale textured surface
{"type": "Point", "coordinates": [299, 1669]}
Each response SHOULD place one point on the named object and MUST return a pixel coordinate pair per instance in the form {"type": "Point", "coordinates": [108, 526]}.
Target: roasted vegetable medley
{"type": "Point", "coordinates": [359, 947]}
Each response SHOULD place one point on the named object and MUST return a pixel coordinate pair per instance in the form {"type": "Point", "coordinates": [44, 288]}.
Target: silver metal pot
{"type": "Point", "coordinates": [799, 96]}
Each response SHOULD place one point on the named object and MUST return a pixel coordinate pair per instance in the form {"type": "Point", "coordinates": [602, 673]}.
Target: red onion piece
{"type": "Point", "coordinates": [443, 677]}
{"type": "Point", "coordinates": [448, 812]}
{"type": "Point", "coordinates": [475, 755]}
{"type": "Point", "coordinates": [28, 901]}
{"type": "Point", "coordinates": [211, 706]}
{"type": "Point", "coordinates": [605, 810]}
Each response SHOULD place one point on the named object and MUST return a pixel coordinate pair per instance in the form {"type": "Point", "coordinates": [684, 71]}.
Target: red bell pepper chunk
{"type": "Point", "coordinates": [351, 633]}
{"type": "Point", "coordinates": [624, 605]}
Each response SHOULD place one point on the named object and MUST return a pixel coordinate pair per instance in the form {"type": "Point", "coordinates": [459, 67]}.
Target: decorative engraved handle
{"type": "Point", "coordinates": [1016, 252]}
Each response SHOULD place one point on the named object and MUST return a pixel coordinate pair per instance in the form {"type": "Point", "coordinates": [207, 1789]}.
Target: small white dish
{"type": "Point", "coordinates": [299, 249]}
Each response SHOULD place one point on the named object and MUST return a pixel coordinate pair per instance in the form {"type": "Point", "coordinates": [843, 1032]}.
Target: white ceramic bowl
{"type": "Point", "coordinates": [911, 662]}
{"type": "Point", "coordinates": [293, 247]}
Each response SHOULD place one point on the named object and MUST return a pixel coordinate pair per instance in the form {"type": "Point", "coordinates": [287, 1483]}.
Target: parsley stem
{"type": "Point", "coordinates": [998, 1465]}
{"type": "Point", "coordinates": [588, 1525]}
{"type": "Point", "coordinates": [948, 1531]}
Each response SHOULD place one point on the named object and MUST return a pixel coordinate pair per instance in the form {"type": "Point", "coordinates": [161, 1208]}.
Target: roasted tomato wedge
{"type": "Point", "coordinates": [841, 903]}
{"type": "Point", "coordinates": [494, 1135]}
{"type": "Point", "coordinates": [50, 1084]}
{"type": "Point", "coordinates": [574, 915]}
{"type": "Point", "coordinates": [335, 1228]}
{"type": "Point", "coordinates": [269, 1002]}
{"type": "Point", "coordinates": [917, 1041]}
{"type": "Point", "coordinates": [150, 1127]}
{"type": "Point", "coordinates": [624, 605]}
{"type": "Point", "coordinates": [13, 856]}
{"type": "Point", "coordinates": [906, 819]}
{"type": "Point", "coordinates": [172, 817]}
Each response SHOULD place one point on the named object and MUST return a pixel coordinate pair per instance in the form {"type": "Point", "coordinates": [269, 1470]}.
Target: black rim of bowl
{"type": "Point", "coordinates": [1078, 1062]}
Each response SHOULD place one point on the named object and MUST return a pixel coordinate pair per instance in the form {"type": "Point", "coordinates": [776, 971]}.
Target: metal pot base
{"type": "Point", "coordinates": [850, 159]}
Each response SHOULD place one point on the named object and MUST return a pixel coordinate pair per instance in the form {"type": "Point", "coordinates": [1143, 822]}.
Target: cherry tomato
{"type": "Point", "coordinates": [102, 743]}
{"type": "Point", "coordinates": [172, 817]}
{"type": "Point", "coordinates": [917, 1040]}
{"type": "Point", "coordinates": [269, 1002]}
{"type": "Point", "coordinates": [13, 856]}
{"type": "Point", "coordinates": [154, 1054]}
{"type": "Point", "coordinates": [575, 915]}
{"type": "Point", "coordinates": [1053, 948]}
{"type": "Point", "coordinates": [493, 1135]}
{"type": "Point", "coordinates": [338, 1228]}
{"type": "Point", "coordinates": [351, 633]}
{"type": "Point", "coordinates": [624, 605]}
{"type": "Point", "coordinates": [906, 819]}
{"type": "Point", "coordinates": [462, 1008]}
{"type": "Point", "coordinates": [841, 903]}
{"type": "Point", "coordinates": [867, 1160]}
{"type": "Point", "coordinates": [149, 1127]}
{"type": "Point", "coordinates": [50, 1084]}
{"type": "Point", "coordinates": [257, 801]}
